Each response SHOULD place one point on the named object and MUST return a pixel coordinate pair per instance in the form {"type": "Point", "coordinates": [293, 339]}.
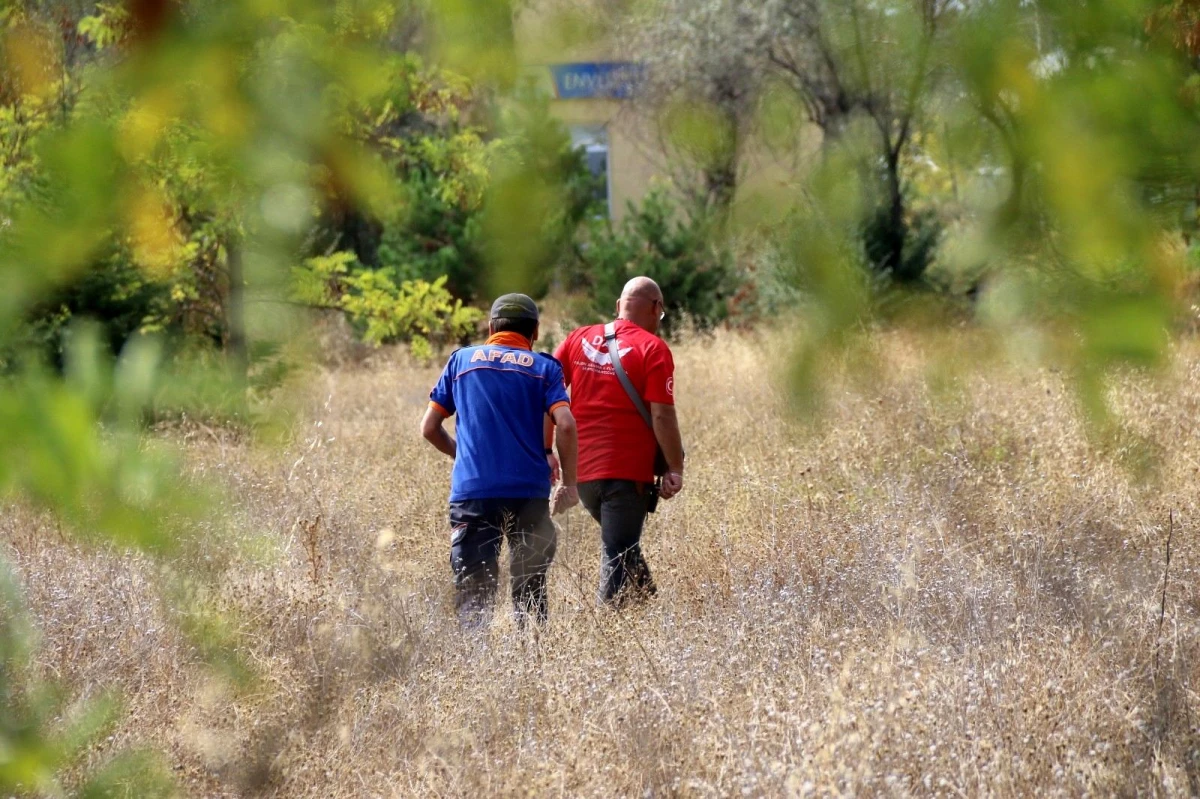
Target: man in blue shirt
{"type": "Point", "coordinates": [501, 392]}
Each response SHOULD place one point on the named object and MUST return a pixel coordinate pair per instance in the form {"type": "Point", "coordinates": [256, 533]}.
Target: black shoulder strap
{"type": "Point", "coordinates": [610, 338]}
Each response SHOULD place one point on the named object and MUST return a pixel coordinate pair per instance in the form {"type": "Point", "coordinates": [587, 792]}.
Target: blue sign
{"type": "Point", "coordinates": [612, 80]}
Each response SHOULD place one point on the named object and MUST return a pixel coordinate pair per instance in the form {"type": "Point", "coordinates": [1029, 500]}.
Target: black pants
{"type": "Point", "coordinates": [620, 507]}
{"type": "Point", "coordinates": [478, 527]}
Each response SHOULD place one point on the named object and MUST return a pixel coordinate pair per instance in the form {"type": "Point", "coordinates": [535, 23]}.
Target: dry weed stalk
{"type": "Point", "coordinates": [1162, 610]}
{"type": "Point", "coordinates": [311, 541]}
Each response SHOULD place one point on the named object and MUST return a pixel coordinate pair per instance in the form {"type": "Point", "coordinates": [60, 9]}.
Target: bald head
{"type": "Point", "coordinates": [641, 302]}
{"type": "Point", "coordinates": [641, 288]}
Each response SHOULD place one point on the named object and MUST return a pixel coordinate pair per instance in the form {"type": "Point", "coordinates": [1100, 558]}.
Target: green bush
{"type": "Point", "coordinates": [919, 236]}
{"type": "Point", "coordinates": [491, 207]}
{"type": "Point", "coordinates": [436, 239]}
{"type": "Point", "coordinates": [419, 312]}
{"type": "Point", "coordinates": [113, 293]}
{"type": "Point", "coordinates": [684, 253]}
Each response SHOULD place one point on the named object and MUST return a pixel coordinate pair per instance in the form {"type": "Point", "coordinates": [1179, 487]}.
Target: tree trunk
{"type": "Point", "coordinates": [896, 228]}
{"type": "Point", "coordinates": [721, 186]}
{"type": "Point", "coordinates": [236, 350]}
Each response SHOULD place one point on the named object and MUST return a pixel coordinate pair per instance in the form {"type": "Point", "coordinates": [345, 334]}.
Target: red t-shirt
{"type": "Point", "coordinates": [615, 443]}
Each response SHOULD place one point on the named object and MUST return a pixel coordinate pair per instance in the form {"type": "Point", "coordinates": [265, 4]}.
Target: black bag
{"type": "Point", "coordinates": [660, 460]}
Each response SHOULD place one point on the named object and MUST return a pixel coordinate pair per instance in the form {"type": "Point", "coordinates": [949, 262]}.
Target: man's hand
{"type": "Point", "coordinates": [672, 484]}
{"type": "Point", "coordinates": [564, 498]}
{"type": "Point", "coordinates": [555, 471]}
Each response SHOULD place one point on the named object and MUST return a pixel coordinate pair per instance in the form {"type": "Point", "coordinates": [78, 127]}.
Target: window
{"type": "Point", "coordinates": [593, 140]}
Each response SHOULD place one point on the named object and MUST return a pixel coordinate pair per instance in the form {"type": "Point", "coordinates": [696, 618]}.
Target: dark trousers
{"type": "Point", "coordinates": [620, 508]}
{"type": "Point", "coordinates": [478, 527]}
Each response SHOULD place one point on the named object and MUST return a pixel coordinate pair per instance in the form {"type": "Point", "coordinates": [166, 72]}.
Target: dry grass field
{"type": "Point", "coordinates": [949, 587]}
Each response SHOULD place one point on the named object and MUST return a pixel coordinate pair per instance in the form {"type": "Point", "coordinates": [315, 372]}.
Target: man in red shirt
{"type": "Point", "coordinates": [617, 447]}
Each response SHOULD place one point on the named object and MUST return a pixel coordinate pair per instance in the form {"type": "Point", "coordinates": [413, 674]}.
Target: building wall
{"type": "Point", "coordinates": [547, 37]}
{"type": "Point", "coordinates": [634, 164]}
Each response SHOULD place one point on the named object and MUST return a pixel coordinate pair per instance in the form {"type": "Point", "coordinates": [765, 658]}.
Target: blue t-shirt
{"type": "Point", "coordinates": [501, 395]}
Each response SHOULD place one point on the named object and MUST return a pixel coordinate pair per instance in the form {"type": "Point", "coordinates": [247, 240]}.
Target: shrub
{"type": "Point", "coordinates": [684, 253]}
{"type": "Point", "coordinates": [467, 187]}
{"type": "Point", "coordinates": [420, 312]}
{"type": "Point", "coordinates": [920, 234]}
{"type": "Point", "coordinates": [439, 233]}
{"type": "Point", "coordinates": [113, 292]}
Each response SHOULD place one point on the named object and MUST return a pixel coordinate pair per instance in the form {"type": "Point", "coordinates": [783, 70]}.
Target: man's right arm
{"type": "Point", "coordinates": [434, 433]}
{"type": "Point", "coordinates": [441, 407]}
{"type": "Point", "coordinates": [666, 430]}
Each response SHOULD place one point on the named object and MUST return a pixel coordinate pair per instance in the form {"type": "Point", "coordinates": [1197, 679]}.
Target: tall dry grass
{"type": "Point", "coordinates": [948, 587]}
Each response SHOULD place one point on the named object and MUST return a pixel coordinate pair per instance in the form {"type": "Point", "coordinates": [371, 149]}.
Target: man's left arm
{"type": "Point", "coordinates": [548, 424]}
{"type": "Point", "coordinates": [660, 392]}
{"type": "Point", "coordinates": [548, 441]}
{"type": "Point", "coordinates": [566, 495]}
{"type": "Point", "coordinates": [666, 430]}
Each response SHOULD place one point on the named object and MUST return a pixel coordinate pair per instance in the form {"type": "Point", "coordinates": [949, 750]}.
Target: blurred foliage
{"type": "Point", "coordinates": [457, 156]}
{"type": "Point", "coordinates": [183, 170]}
{"type": "Point", "coordinates": [918, 242]}
{"type": "Point", "coordinates": [1035, 158]}
{"type": "Point", "coordinates": [436, 154]}
{"type": "Point", "coordinates": [73, 443]}
{"type": "Point", "coordinates": [419, 312]}
{"type": "Point", "coordinates": [1038, 158]}
{"type": "Point", "coordinates": [114, 291]}
{"type": "Point", "coordinates": [1178, 21]}
{"type": "Point", "coordinates": [1089, 122]}
{"type": "Point", "coordinates": [727, 83]}
{"type": "Point", "coordinates": [163, 164]}
{"type": "Point", "coordinates": [43, 731]}
{"type": "Point", "coordinates": [541, 195]}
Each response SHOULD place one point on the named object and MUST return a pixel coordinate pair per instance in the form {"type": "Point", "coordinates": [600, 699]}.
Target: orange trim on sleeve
{"type": "Point", "coordinates": [439, 409]}
{"type": "Point", "coordinates": [558, 405]}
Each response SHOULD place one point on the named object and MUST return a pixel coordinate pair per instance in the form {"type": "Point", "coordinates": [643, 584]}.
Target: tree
{"type": "Point", "coordinates": [877, 59]}
{"type": "Point", "coordinates": [704, 71]}
{"type": "Point", "coordinates": [710, 66]}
